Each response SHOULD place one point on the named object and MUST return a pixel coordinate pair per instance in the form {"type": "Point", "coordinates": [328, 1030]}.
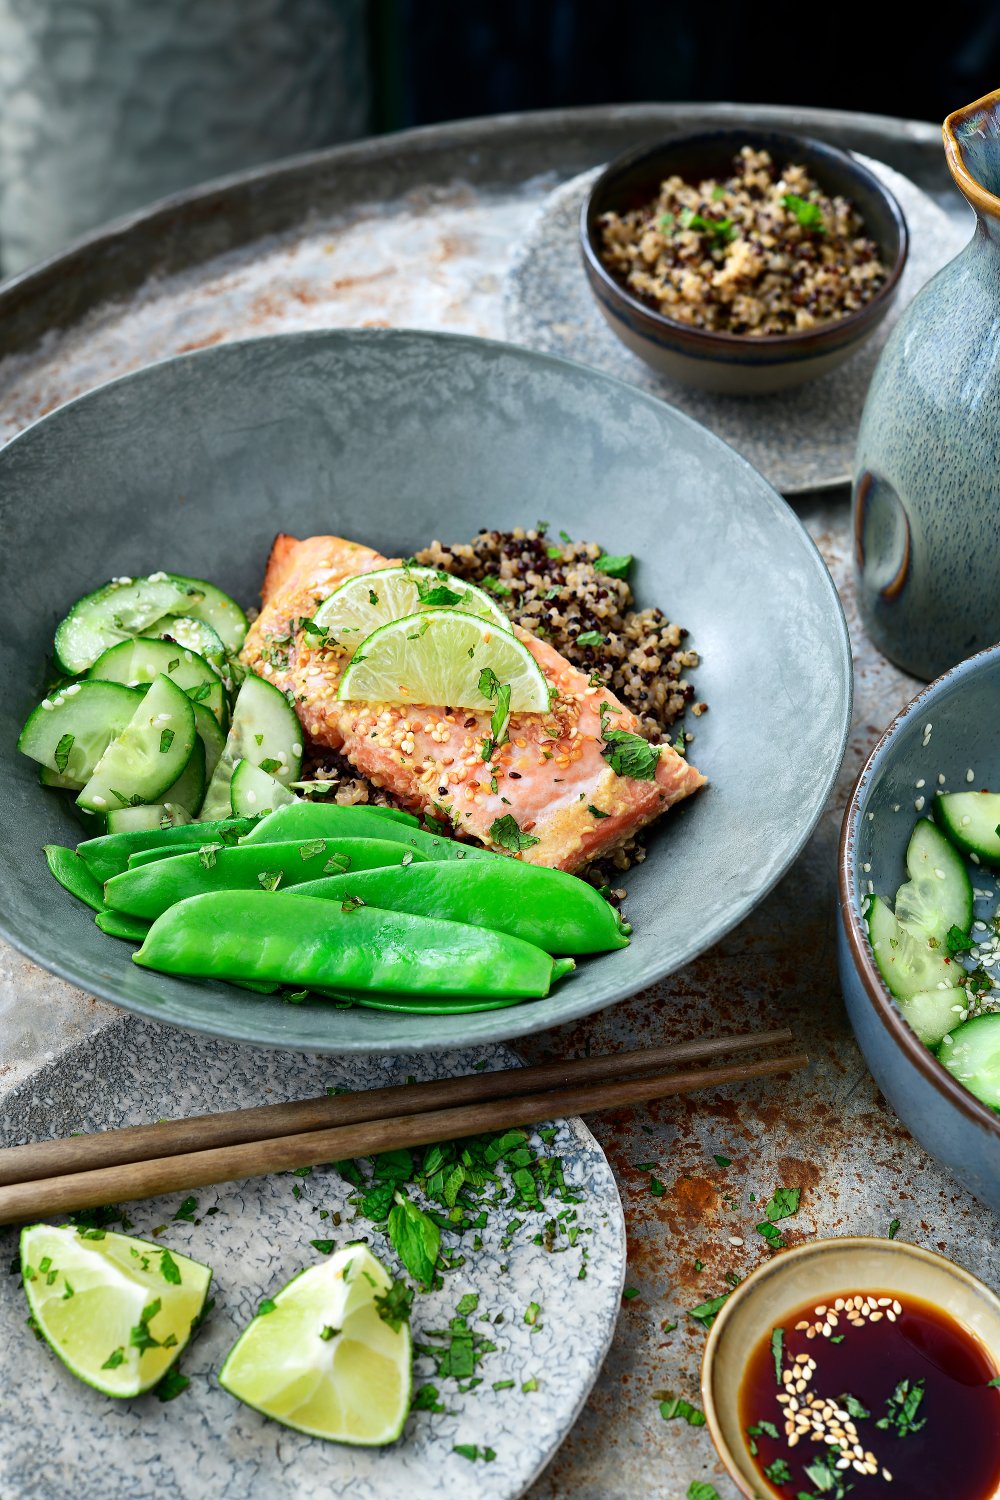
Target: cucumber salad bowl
{"type": "Point", "coordinates": [919, 918]}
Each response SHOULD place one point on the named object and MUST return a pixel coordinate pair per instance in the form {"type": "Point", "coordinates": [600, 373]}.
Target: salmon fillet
{"type": "Point", "coordinates": [550, 776]}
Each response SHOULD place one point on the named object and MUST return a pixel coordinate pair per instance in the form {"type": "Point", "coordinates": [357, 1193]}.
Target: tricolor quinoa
{"type": "Point", "coordinates": [758, 252]}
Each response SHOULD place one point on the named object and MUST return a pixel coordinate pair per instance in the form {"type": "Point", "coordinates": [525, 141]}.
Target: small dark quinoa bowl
{"type": "Point", "coordinates": [731, 363]}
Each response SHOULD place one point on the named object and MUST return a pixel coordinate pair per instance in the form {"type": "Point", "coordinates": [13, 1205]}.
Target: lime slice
{"type": "Point", "coordinates": [116, 1310]}
{"type": "Point", "coordinates": [441, 657]}
{"type": "Point", "coordinates": [363, 603]}
{"type": "Point", "coordinates": [320, 1357]}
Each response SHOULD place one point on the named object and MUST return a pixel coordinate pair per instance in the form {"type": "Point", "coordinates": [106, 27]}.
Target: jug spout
{"type": "Point", "coordinates": [972, 148]}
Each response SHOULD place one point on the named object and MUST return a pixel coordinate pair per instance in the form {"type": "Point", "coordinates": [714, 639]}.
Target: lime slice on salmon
{"type": "Point", "coordinates": [363, 603]}
{"type": "Point", "coordinates": [444, 657]}
{"type": "Point", "coordinates": [329, 1354]}
{"type": "Point", "coordinates": [116, 1310]}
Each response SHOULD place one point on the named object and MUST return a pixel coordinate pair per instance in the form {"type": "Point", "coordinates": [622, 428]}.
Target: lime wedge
{"type": "Point", "coordinates": [441, 657]}
{"type": "Point", "coordinates": [321, 1357]}
{"type": "Point", "coordinates": [116, 1310]}
{"type": "Point", "coordinates": [361, 604]}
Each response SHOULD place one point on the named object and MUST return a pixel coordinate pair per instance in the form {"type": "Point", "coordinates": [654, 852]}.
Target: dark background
{"type": "Point", "coordinates": [447, 59]}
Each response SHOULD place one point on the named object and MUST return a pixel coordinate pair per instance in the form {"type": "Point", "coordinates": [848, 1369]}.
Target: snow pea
{"type": "Point", "coordinates": [313, 820]}
{"type": "Point", "coordinates": [117, 924]}
{"type": "Point", "coordinates": [109, 854]}
{"type": "Point", "coordinates": [279, 937]}
{"type": "Point", "coordinates": [147, 889]}
{"type": "Point", "coordinates": [74, 876]}
{"type": "Point", "coordinates": [558, 912]}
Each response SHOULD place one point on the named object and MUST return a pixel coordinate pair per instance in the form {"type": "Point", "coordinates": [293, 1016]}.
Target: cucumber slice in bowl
{"type": "Point", "coordinates": [70, 731]}
{"type": "Point", "coordinates": [149, 754]}
{"type": "Point", "coordinates": [193, 635]}
{"type": "Point", "coordinates": [188, 791]}
{"type": "Point", "coordinates": [970, 819]}
{"type": "Point", "coordinates": [908, 964]}
{"type": "Point", "coordinates": [934, 1013]}
{"type": "Point", "coordinates": [971, 1053]}
{"type": "Point", "coordinates": [264, 731]}
{"type": "Point", "coordinates": [253, 791]}
{"type": "Point", "coordinates": [120, 609]}
{"type": "Point", "coordinates": [152, 815]}
{"type": "Point", "coordinates": [141, 659]}
{"type": "Point", "coordinates": [215, 608]}
{"type": "Point", "coordinates": [938, 894]}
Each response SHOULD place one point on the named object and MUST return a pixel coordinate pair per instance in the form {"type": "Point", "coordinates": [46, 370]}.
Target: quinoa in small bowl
{"type": "Point", "coordinates": [742, 264]}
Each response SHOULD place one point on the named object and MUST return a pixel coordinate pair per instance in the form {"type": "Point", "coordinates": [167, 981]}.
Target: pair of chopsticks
{"type": "Point", "coordinates": [115, 1166]}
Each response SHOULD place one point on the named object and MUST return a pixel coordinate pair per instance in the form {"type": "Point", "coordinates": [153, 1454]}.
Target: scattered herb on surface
{"type": "Point", "coordinates": [187, 1209]}
{"type": "Point", "coordinates": [171, 1385]}
{"type": "Point", "coordinates": [706, 1312]}
{"type": "Point", "coordinates": [893, 1228]}
{"type": "Point", "coordinates": [678, 1407]}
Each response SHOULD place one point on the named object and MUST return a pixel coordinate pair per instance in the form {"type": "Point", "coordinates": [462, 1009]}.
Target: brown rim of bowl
{"type": "Point", "coordinates": [884, 1006]}
{"type": "Point", "coordinates": [764, 340]}
{"type": "Point", "coordinates": [774, 1267]}
{"type": "Point", "coordinates": [974, 191]}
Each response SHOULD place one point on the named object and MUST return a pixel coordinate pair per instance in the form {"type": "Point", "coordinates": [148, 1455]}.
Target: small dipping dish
{"type": "Point", "coordinates": [889, 1348]}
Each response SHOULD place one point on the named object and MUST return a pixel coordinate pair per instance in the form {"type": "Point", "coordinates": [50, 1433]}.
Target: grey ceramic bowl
{"type": "Point", "coordinates": [946, 1119]}
{"type": "Point", "coordinates": [394, 438]}
{"type": "Point", "coordinates": [727, 363]}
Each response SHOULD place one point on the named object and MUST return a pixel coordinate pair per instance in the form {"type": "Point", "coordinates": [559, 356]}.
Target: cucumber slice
{"type": "Point", "coordinates": [149, 754]}
{"type": "Point", "coordinates": [216, 609]}
{"type": "Point", "coordinates": [211, 735]}
{"type": "Point", "coordinates": [193, 635]}
{"type": "Point", "coordinates": [54, 778]}
{"type": "Point", "coordinates": [117, 611]}
{"type": "Point", "coordinates": [265, 732]}
{"type": "Point", "coordinates": [908, 964]}
{"type": "Point", "coordinates": [152, 815]}
{"type": "Point", "coordinates": [138, 661]}
{"type": "Point", "coordinates": [69, 732]}
{"type": "Point", "coordinates": [933, 1013]}
{"type": "Point", "coordinates": [254, 791]}
{"type": "Point", "coordinates": [188, 791]}
{"type": "Point", "coordinates": [938, 894]}
{"type": "Point", "coordinates": [972, 1055]}
{"type": "Point", "coordinates": [970, 820]}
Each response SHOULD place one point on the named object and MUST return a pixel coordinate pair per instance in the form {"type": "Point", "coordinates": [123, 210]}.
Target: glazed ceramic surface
{"type": "Point", "coordinates": [903, 772]}
{"type": "Point", "coordinates": [925, 473]}
{"type": "Point", "coordinates": [725, 363]}
{"type": "Point", "coordinates": [801, 439]}
{"type": "Point", "coordinates": [823, 1269]}
{"type": "Point", "coordinates": [394, 439]}
{"type": "Point", "coordinates": [256, 1237]}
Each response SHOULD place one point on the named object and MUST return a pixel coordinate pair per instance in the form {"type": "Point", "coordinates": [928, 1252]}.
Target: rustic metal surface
{"type": "Point", "coordinates": [420, 230]}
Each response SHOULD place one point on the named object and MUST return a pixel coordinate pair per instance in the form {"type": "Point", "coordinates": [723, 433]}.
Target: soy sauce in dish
{"type": "Point", "coordinates": [873, 1393]}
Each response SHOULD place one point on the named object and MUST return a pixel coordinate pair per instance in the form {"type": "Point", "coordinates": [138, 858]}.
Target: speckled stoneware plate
{"type": "Point", "coordinates": [58, 1436]}
{"type": "Point", "coordinates": [395, 438]}
{"type": "Point", "coordinates": [802, 439]}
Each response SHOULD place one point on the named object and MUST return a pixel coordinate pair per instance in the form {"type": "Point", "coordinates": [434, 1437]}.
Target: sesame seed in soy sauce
{"type": "Point", "coordinates": [868, 1393]}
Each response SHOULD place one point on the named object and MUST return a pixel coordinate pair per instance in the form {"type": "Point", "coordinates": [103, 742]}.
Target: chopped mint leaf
{"type": "Point", "coordinates": [169, 1269]}
{"type": "Point", "coordinates": [166, 740]}
{"type": "Point", "coordinates": [677, 1407]}
{"type": "Point", "coordinates": [809, 215]}
{"type": "Point", "coordinates": [61, 753]}
{"type": "Point", "coordinates": [614, 567]}
{"type": "Point", "coordinates": [508, 834]}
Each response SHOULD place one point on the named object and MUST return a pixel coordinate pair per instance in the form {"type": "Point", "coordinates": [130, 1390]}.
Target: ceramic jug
{"type": "Point", "coordinates": [927, 469]}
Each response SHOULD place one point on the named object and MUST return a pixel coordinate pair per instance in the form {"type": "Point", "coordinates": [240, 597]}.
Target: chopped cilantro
{"type": "Point", "coordinates": [496, 586]}
{"type": "Point", "coordinates": [853, 1406]}
{"type": "Point", "coordinates": [677, 1407]}
{"type": "Point", "coordinates": [169, 1269]}
{"type": "Point", "coordinates": [699, 1490]}
{"type": "Point", "coordinates": [508, 834]}
{"type": "Point", "coordinates": [720, 231]}
{"type": "Point", "coordinates": [595, 812]}
{"type": "Point", "coordinates": [627, 754]}
{"type": "Point", "coordinates": [722, 1161]}
{"type": "Point", "coordinates": [590, 638]}
{"type": "Point", "coordinates": [893, 1228]}
{"type": "Point", "coordinates": [706, 1312]}
{"type": "Point", "coordinates": [61, 753]}
{"type": "Point", "coordinates": [809, 215]}
{"type": "Point", "coordinates": [778, 1472]}
{"type": "Point", "coordinates": [171, 1385]}
{"type": "Point", "coordinates": [614, 567]}
{"type": "Point", "coordinates": [325, 1247]}
{"type": "Point", "coordinates": [901, 1409]}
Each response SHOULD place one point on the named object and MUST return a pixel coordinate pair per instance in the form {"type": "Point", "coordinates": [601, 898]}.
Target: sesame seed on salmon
{"type": "Point", "coordinates": [550, 776]}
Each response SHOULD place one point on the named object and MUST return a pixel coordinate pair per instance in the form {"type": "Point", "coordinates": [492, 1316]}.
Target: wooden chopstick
{"type": "Point", "coordinates": [233, 1127]}
{"type": "Point", "coordinates": [24, 1201]}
